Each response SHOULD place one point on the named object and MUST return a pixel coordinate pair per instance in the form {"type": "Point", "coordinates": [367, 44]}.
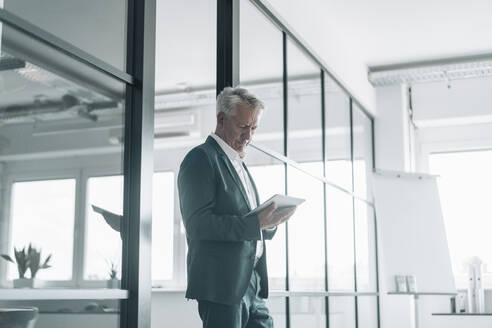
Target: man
{"type": "Point", "coordinates": [226, 261]}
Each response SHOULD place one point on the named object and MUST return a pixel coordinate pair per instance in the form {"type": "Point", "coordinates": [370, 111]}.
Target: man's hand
{"type": "Point", "coordinates": [270, 217]}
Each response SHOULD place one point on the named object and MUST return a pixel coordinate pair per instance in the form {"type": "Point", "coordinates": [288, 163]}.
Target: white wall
{"type": "Point", "coordinates": [448, 119]}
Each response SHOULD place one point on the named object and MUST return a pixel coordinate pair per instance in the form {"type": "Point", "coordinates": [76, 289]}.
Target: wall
{"type": "Point", "coordinates": [447, 119]}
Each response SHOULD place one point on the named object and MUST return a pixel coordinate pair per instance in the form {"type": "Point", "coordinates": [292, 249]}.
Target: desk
{"type": "Point", "coordinates": [416, 296]}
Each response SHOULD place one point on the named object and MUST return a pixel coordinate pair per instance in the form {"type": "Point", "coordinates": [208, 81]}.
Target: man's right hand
{"type": "Point", "coordinates": [270, 217]}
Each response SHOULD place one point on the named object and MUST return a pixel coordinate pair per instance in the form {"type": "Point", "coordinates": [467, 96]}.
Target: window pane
{"type": "Point", "coordinates": [304, 109]}
{"type": "Point", "coordinates": [337, 135]}
{"type": "Point", "coordinates": [185, 62]}
{"type": "Point", "coordinates": [365, 247]}
{"type": "Point", "coordinates": [97, 27]}
{"type": "Point", "coordinates": [276, 306]}
{"type": "Point", "coordinates": [262, 72]}
{"type": "Point", "coordinates": [342, 312]}
{"type": "Point", "coordinates": [269, 176]}
{"type": "Point", "coordinates": [57, 124]}
{"type": "Point", "coordinates": [464, 183]}
{"type": "Point", "coordinates": [340, 235]}
{"type": "Point", "coordinates": [362, 130]}
{"type": "Point", "coordinates": [367, 311]}
{"type": "Point", "coordinates": [162, 226]}
{"type": "Point", "coordinates": [103, 245]}
{"type": "Point", "coordinates": [41, 210]}
{"type": "Point", "coordinates": [306, 226]}
{"type": "Point", "coordinates": [307, 312]}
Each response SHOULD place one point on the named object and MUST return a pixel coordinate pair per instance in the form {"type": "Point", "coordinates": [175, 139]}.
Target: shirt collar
{"type": "Point", "coordinates": [230, 152]}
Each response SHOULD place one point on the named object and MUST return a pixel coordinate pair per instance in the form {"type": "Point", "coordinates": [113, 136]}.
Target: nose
{"type": "Point", "coordinates": [248, 134]}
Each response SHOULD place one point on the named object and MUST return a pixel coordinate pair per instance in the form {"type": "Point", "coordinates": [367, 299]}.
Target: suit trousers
{"type": "Point", "coordinates": [250, 313]}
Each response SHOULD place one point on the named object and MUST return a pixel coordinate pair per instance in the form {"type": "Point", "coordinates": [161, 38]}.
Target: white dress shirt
{"type": "Point", "coordinates": [237, 162]}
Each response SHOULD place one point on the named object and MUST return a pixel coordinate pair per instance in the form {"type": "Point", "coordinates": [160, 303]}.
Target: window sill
{"type": "Point", "coordinates": [62, 294]}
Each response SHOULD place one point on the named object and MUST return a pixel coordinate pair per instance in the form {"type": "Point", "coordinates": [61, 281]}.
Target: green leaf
{"type": "Point", "coordinates": [47, 260]}
{"type": "Point", "coordinates": [7, 257]}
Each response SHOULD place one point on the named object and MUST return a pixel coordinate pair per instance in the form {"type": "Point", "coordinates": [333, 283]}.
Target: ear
{"type": "Point", "coordinates": [220, 119]}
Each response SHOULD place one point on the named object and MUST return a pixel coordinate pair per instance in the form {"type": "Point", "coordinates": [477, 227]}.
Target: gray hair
{"type": "Point", "coordinates": [229, 98]}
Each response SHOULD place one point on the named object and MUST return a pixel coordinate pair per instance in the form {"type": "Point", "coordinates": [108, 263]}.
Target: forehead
{"type": "Point", "coordinates": [246, 114]}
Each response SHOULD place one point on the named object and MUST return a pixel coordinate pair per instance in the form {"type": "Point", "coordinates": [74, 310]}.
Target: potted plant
{"type": "Point", "coordinates": [27, 259]}
{"type": "Point", "coordinates": [113, 281]}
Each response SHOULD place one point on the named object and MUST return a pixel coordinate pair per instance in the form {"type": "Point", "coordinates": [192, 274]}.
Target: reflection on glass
{"type": "Point", "coordinates": [261, 72]}
{"type": "Point", "coordinates": [269, 177]}
{"type": "Point", "coordinates": [103, 246]}
{"type": "Point", "coordinates": [337, 135]}
{"type": "Point", "coordinates": [340, 238]}
{"type": "Point", "coordinates": [306, 237]}
{"type": "Point", "coordinates": [307, 312]}
{"type": "Point", "coordinates": [365, 247]}
{"type": "Point", "coordinates": [97, 27]}
{"type": "Point", "coordinates": [304, 109]}
{"type": "Point", "coordinates": [342, 312]}
{"type": "Point", "coordinates": [362, 130]}
{"type": "Point", "coordinates": [367, 312]}
{"type": "Point", "coordinates": [39, 209]}
{"type": "Point", "coordinates": [54, 129]}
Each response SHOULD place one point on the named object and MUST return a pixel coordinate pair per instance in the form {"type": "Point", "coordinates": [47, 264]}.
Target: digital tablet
{"type": "Point", "coordinates": [281, 201]}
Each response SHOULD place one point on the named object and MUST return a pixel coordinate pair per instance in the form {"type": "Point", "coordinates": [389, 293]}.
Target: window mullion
{"type": "Point", "coordinates": [79, 230]}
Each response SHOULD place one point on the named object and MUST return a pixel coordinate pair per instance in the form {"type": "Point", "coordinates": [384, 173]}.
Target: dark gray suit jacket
{"type": "Point", "coordinates": [221, 239]}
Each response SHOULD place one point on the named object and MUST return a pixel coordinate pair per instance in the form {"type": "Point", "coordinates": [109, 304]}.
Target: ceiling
{"type": "Point", "coordinates": [392, 31]}
{"type": "Point", "coordinates": [366, 32]}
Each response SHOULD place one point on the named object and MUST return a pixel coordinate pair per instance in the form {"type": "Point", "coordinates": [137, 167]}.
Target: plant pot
{"type": "Point", "coordinates": [27, 283]}
{"type": "Point", "coordinates": [113, 283]}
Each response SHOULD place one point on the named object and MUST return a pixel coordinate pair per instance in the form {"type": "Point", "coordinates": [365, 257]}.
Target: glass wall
{"type": "Point", "coordinates": [96, 27]}
{"type": "Point", "coordinates": [325, 156]}
{"type": "Point", "coordinates": [62, 143]}
{"type": "Point", "coordinates": [56, 134]}
{"type": "Point", "coordinates": [63, 85]}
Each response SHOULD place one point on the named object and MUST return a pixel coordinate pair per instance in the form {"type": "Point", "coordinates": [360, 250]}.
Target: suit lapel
{"type": "Point", "coordinates": [236, 178]}
{"type": "Point", "coordinates": [231, 170]}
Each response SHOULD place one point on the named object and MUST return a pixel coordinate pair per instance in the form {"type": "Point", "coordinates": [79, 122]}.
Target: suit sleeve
{"type": "Point", "coordinates": [197, 196]}
{"type": "Point", "coordinates": [269, 233]}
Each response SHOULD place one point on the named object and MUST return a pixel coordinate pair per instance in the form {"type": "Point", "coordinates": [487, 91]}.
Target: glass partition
{"type": "Point", "coordinates": [306, 236]}
{"type": "Point", "coordinates": [365, 244]}
{"type": "Point", "coordinates": [342, 312]}
{"type": "Point", "coordinates": [338, 153]}
{"type": "Point", "coordinates": [367, 312]}
{"type": "Point", "coordinates": [307, 312]}
{"type": "Point", "coordinates": [304, 110]}
{"type": "Point", "coordinates": [276, 306]}
{"type": "Point", "coordinates": [103, 247]}
{"type": "Point", "coordinates": [269, 177]}
{"type": "Point", "coordinates": [340, 239]}
{"type": "Point", "coordinates": [363, 154]}
{"type": "Point", "coordinates": [54, 132]}
{"type": "Point", "coordinates": [261, 72]}
{"type": "Point", "coordinates": [96, 27]}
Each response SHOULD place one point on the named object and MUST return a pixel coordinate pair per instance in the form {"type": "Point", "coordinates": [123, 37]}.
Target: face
{"type": "Point", "coordinates": [238, 129]}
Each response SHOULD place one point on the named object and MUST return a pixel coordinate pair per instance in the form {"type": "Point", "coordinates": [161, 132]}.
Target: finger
{"type": "Point", "coordinates": [286, 211]}
{"type": "Point", "coordinates": [271, 208]}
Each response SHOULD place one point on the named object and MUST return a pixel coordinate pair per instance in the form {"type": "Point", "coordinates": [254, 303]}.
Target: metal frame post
{"type": "Point", "coordinates": [227, 44]}
{"type": "Point", "coordinates": [138, 165]}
